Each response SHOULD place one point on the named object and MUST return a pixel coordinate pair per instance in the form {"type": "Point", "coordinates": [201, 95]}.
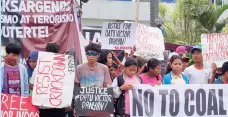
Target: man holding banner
{"type": "Point", "coordinates": [39, 89]}
{"type": "Point", "coordinates": [92, 73]}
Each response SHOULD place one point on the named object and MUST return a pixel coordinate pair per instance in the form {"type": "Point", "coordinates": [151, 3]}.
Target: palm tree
{"type": "Point", "coordinates": [153, 12]}
{"type": "Point", "coordinates": [190, 19]}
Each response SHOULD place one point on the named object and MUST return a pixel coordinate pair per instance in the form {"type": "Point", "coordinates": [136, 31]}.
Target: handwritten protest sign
{"type": "Point", "coordinates": [17, 106]}
{"type": "Point", "coordinates": [149, 42]}
{"type": "Point", "coordinates": [93, 101]}
{"type": "Point", "coordinates": [214, 48]}
{"type": "Point", "coordinates": [118, 36]}
{"type": "Point", "coordinates": [54, 80]}
{"type": "Point", "coordinates": [179, 101]}
{"type": "Point", "coordinates": [34, 23]}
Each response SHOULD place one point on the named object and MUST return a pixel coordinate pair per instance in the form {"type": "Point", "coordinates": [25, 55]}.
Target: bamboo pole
{"type": "Point", "coordinates": [137, 11]}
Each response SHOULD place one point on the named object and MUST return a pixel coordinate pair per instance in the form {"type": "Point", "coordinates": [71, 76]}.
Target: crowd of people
{"type": "Point", "coordinates": [104, 69]}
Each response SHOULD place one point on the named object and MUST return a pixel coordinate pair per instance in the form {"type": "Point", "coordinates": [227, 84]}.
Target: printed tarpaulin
{"type": "Point", "coordinates": [36, 23]}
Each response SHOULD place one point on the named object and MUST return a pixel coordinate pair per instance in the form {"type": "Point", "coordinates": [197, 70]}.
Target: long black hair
{"type": "Point", "coordinates": [173, 58]}
{"type": "Point", "coordinates": [103, 56]}
{"type": "Point", "coordinates": [152, 63]}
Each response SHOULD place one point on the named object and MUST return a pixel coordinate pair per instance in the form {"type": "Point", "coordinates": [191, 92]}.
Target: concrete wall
{"type": "Point", "coordinates": [95, 12]}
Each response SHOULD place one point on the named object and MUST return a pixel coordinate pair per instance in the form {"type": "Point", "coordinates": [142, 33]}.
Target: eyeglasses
{"type": "Point", "coordinates": [92, 54]}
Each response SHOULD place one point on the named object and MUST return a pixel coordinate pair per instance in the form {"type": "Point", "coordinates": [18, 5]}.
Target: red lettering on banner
{"type": "Point", "coordinates": [215, 56]}
{"type": "Point", "coordinates": [44, 71]}
{"type": "Point", "coordinates": [41, 87]}
{"type": "Point", "coordinates": [58, 74]}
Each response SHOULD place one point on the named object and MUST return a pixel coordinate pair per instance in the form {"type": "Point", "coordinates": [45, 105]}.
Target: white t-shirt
{"type": "Point", "coordinates": [197, 76]}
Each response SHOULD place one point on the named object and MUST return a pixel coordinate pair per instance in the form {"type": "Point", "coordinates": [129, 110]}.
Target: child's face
{"type": "Point", "coordinates": [12, 59]}
{"type": "Point", "coordinates": [32, 63]}
{"type": "Point", "coordinates": [113, 71]}
{"type": "Point", "coordinates": [156, 71]}
{"type": "Point", "coordinates": [109, 59]}
{"type": "Point", "coordinates": [130, 71]}
{"type": "Point", "coordinates": [177, 65]}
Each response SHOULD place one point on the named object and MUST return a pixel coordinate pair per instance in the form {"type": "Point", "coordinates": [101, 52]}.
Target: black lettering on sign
{"type": "Point", "coordinates": [110, 33]}
{"type": "Point", "coordinates": [222, 111]}
{"type": "Point", "coordinates": [149, 102]}
{"type": "Point", "coordinates": [137, 102]}
{"type": "Point", "coordinates": [70, 64]}
{"type": "Point", "coordinates": [118, 33]}
{"type": "Point", "coordinates": [212, 103]}
{"type": "Point", "coordinates": [163, 93]}
{"type": "Point", "coordinates": [127, 26]}
{"type": "Point", "coordinates": [117, 41]}
{"type": "Point", "coordinates": [174, 102]}
{"type": "Point", "coordinates": [114, 25]}
{"type": "Point", "coordinates": [201, 102]}
{"type": "Point", "coordinates": [189, 109]}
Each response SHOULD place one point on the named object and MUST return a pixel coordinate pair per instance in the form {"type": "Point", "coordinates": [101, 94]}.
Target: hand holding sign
{"type": "Point", "coordinates": [125, 87]}
{"type": "Point", "coordinates": [93, 101]}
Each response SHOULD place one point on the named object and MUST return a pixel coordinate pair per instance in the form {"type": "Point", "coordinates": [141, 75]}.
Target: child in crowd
{"type": "Point", "coordinates": [174, 72]}
{"type": "Point", "coordinates": [113, 71]}
{"type": "Point", "coordinates": [31, 63]}
{"type": "Point", "coordinates": [122, 84]}
{"type": "Point", "coordinates": [224, 78]}
{"type": "Point", "coordinates": [153, 74]}
{"type": "Point", "coordinates": [141, 64]}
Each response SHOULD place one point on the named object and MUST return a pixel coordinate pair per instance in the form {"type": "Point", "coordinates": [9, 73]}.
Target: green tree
{"type": "Point", "coordinates": [190, 19]}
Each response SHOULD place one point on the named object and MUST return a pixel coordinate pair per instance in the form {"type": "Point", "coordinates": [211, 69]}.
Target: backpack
{"type": "Point", "coordinates": [120, 101]}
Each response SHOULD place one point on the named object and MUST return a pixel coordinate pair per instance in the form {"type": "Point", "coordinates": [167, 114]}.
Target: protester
{"type": "Point", "coordinates": [174, 72]}
{"type": "Point", "coordinates": [92, 73]}
{"type": "Point", "coordinates": [181, 50]}
{"type": "Point", "coordinates": [224, 78]}
{"type": "Point", "coordinates": [153, 74]}
{"type": "Point", "coordinates": [141, 63]}
{"type": "Point", "coordinates": [185, 60]}
{"type": "Point", "coordinates": [45, 111]}
{"type": "Point", "coordinates": [105, 58]}
{"type": "Point", "coordinates": [12, 71]}
{"type": "Point", "coordinates": [31, 64]}
{"type": "Point", "coordinates": [113, 70]}
{"type": "Point", "coordinates": [122, 84]}
{"type": "Point", "coordinates": [196, 73]}
{"type": "Point", "coordinates": [164, 64]}
{"type": "Point", "coordinates": [217, 74]}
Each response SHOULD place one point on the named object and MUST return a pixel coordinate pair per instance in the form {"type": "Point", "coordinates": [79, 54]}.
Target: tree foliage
{"type": "Point", "coordinates": [190, 19]}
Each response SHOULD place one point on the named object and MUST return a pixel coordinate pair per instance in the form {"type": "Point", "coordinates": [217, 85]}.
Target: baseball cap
{"type": "Point", "coordinates": [184, 57]}
{"type": "Point", "coordinates": [181, 49]}
{"type": "Point", "coordinates": [197, 47]}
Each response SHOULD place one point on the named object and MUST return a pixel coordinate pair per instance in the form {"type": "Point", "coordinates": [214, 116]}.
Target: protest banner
{"type": "Point", "coordinates": [179, 101]}
{"type": "Point", "coordinates": [118, 35]}
{"type": "Point", "coordinates": [149, 42]}
{"type": "Point", "coordinates": [214, 49]}
{"type": "Point", "coordinates": [36, 23]}
{"type": "Point", "coordinates": [17, 106]}
{"type": "Point", "coordinates": [54, 80]}
{"type": "Point", "coordinates": [93, 101]}
{"type": "Point", "coordinates": [91, 34]}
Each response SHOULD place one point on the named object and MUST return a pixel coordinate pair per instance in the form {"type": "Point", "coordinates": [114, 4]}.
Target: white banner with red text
{"type": "Point", "coordinates": [214, 48]}
{"type": "Point", "coordinates": [179, 101]}
{"type": "Point", "coordinates": [54, 80]}
{"type": "Point", "coordinates": [149, 42]}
